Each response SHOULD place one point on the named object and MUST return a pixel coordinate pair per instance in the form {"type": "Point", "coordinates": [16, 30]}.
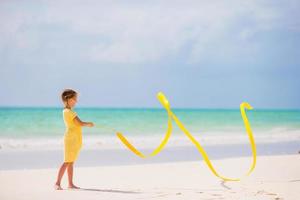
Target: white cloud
{"type": "Point", "coordinates": [143, 32]}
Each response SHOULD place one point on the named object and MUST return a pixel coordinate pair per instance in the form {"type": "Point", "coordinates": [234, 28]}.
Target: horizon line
{"type": "Point", "coordinates": [158, 108]}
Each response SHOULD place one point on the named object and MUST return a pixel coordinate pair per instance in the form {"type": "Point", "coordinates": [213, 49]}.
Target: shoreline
{"type": "Point", "coordinates": [41, 159]}
{"type": "Point", "coordinates": [177, 139]}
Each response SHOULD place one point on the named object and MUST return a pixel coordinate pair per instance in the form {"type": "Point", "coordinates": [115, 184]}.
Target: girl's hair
{"type": "Point", "coordinates": [67, 94]}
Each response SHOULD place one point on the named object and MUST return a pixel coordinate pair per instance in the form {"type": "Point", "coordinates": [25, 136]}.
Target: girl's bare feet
{"type": "Point", "coordinates": [57, 187]}
{"type": "Point", "coordinates": [73, 187]}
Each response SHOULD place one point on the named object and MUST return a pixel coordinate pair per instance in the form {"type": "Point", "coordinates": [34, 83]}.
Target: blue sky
{"type": "Point", "coordinates": [204, 54]}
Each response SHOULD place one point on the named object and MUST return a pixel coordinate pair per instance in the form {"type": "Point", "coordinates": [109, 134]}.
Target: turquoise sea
{"type": "Point", "coordinates": [46, 123]}
{"type": "Point", "coordinates": [41, 122]}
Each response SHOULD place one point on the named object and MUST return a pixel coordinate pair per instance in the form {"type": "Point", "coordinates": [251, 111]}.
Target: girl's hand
{"type": "Point", "coordinates": [90, 124]}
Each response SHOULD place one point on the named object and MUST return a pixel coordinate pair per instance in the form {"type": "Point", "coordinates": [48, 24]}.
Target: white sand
{"type": "Point", "coordinates": [275, 177]}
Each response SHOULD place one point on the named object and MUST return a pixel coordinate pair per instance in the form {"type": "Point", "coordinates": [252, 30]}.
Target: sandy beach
{"type": "Point", "coordinates": [275, 177]}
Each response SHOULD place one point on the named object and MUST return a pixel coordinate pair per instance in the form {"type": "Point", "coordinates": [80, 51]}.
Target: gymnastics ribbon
{"type": "Point", "coordinates": [163, 100]}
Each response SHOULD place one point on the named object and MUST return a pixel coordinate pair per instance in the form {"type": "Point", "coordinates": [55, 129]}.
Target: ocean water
{"type": "Point", "coordinates": [25, 127]}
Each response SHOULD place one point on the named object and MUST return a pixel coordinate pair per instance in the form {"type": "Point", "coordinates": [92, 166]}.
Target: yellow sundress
{"type": "Point", "coordinates": [72, 137]}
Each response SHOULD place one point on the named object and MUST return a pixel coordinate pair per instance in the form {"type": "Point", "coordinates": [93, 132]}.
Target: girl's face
{"type": "Point", "coordinates": [72, 102]}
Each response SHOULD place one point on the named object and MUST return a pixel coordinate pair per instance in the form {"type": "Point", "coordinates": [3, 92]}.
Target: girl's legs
{"type": "Point", "coordinates": [61, 172]}
{"type": "Point", "coordinates": [70, 176]}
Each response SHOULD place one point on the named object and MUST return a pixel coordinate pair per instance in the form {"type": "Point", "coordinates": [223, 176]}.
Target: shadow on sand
{"type": "Point", "coordinates": [108, 190]}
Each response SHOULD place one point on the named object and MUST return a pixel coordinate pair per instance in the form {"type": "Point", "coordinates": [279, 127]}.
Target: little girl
{"type": "Point", "coordinates": [72, 137]}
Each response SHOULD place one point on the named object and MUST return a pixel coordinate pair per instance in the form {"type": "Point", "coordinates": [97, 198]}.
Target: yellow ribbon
{"type": "Point", "coordinates": [163, 100]}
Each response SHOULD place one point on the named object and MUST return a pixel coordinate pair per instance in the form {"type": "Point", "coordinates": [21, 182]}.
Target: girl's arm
{"type": "Point", "coordinates": [81, 123]}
